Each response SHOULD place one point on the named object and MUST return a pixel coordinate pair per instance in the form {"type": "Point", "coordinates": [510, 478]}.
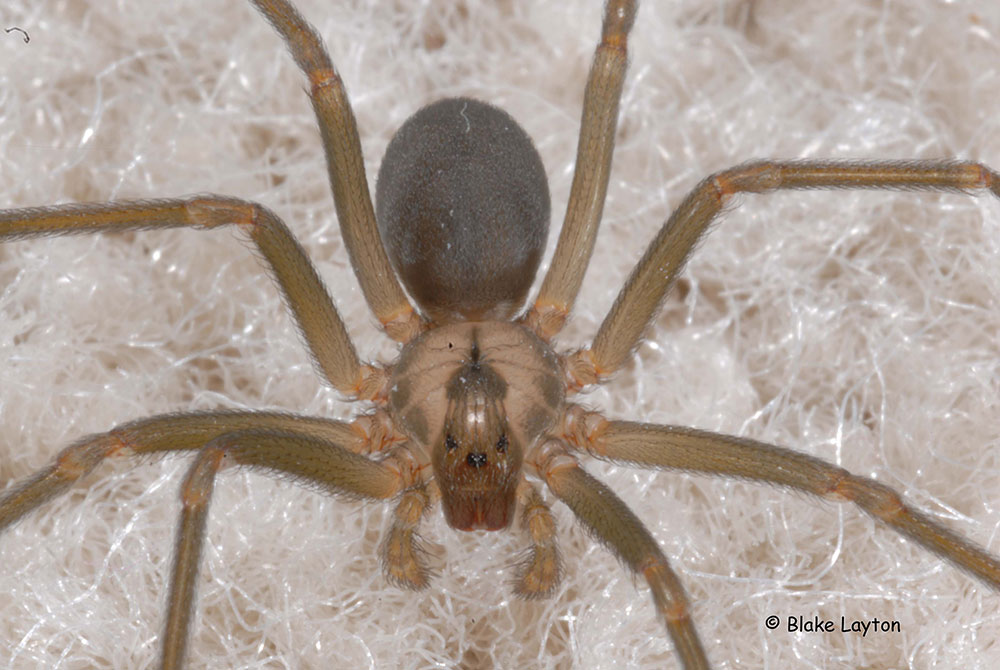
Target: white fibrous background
{"type": "Point", "coordinates": [859, 327]}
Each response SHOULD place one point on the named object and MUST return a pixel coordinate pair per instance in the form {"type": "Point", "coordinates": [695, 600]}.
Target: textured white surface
{"type": "Point", "coordinates": [861, 328]}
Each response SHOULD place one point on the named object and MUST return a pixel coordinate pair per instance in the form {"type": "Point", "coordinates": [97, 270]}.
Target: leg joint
{"type": "Point", "coordinates": [81, 458]}
{"type": "Point", "coordinates": [215, 211]}
{"type": "Point", "coordinates": [323, 78]}
{"type": "Point", "coordinates": [618, 20]}
{"type": "Point", "coordinates": [875, 498]}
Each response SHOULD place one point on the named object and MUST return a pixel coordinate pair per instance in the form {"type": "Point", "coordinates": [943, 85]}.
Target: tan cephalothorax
{"type": "Point", "coordinates": [460, 393]}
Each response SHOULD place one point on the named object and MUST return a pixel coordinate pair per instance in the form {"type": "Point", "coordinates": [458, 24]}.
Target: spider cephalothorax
{"type": "Point", "coordinates": [460, 393]}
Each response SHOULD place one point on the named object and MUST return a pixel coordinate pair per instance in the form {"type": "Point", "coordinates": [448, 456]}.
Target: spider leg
{"type": "Point", "coordinates": [310, 460]}
{"type": "Point", "coordinates": [541, 571]}
{"type": "Point", "coordinates": [302, 288]}
{"type": "Point", "coordinates": [167, 433]}
{"type": "Point", "coordinates": [346, 167]}
{"type": "Point", "coordinates": [614, 524]}
{"type": "Point", "coordinates": [403, 554]}
{"type": "Point", "coordinates": [663, 261]}
{"type": "Point", "coordinates": [590, 179]}
{"type": "Point", "coordinates": [691, 450]}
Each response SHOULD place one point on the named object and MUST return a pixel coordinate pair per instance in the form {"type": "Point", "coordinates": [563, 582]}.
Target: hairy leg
{"type": "Point", "coordinates": [342, 147]}
{"type": "Point", "coordinates": [539, 572]}
{"type": "Point", "coordinates": [158, 435]}
{"type": "Point", "coordinates": [308, 460]}
{"type": "Point", "coordinates": [704, 452]}
{"type": "Point", "coordinates": [301, 286]}
{"type": "Point", "coordinates": [658, 269]}
{"type": "Point", "coordinates": [617, 527]}
{"type": "Point", "coordinates": [598, 126]}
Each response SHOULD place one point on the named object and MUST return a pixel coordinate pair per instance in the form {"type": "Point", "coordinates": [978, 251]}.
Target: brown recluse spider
{"type": "Point", "coordinates": [480, 376]}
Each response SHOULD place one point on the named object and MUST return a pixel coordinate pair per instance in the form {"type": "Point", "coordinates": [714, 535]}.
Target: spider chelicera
{"type": "Point", "coordinates": [473, 359]}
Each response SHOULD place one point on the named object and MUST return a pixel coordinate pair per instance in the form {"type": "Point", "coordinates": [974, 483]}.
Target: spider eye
{"type": "Point", "coordinates": [476, 460]}
{"type": "Point", "coordinates": [450, 442]}
{"type": "Point", "coordinates": [502, 443]}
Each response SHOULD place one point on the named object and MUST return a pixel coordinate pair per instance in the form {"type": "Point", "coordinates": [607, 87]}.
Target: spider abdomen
{"type": "Point", "coordinates": [462, 205]}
